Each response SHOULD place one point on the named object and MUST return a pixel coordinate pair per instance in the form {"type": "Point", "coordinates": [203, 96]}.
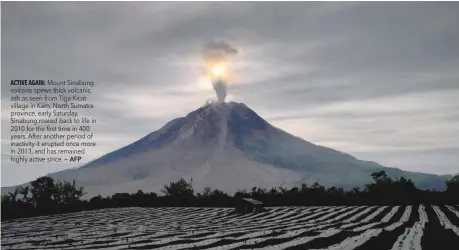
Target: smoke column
{"type": "Point", "coordinates": [220, 87]}
{"type": "Point", "coordinates": [218, 52]}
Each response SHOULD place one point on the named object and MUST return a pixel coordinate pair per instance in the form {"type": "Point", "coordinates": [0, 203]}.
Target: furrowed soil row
{"type": "Point", "coordinates": [315, 227]}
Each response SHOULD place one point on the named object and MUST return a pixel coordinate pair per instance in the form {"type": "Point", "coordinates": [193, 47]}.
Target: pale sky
{"type": "Point", "coordinates": [378, 80]}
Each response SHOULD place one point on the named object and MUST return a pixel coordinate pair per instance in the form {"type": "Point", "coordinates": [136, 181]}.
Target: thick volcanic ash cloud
{"type": "Point", "coordinates": [221, 88]}
{"type": "Point", "coordinates": [216, 57]}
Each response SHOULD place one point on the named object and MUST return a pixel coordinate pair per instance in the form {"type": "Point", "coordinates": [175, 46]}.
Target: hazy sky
{"type": "Point", "coordinates": [377, 80]}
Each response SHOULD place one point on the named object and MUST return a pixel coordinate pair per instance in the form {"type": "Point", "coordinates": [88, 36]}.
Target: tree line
{"type": "Point", "coordinates": [45, 196]}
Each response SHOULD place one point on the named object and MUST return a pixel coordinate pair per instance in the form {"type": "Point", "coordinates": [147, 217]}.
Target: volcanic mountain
{"type": "Point", "coordinates": [229, 147]}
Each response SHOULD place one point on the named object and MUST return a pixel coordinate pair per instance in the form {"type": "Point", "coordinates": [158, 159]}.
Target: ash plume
{"type": "Point", "coordinates": [221, 47]}
{"type": "Point", "coordinates": [221, 88]}
{"type": "Point", "coordinates": [219, 52]}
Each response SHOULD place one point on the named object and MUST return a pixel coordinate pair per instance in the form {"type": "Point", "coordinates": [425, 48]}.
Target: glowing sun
{"type": "Point", "coordinates": [218, 71]}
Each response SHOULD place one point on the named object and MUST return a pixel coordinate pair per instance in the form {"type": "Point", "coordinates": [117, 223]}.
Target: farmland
{"type": "Point", "coordinates": [315, 227]}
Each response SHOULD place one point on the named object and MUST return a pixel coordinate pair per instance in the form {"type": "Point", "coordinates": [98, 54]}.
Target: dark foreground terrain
{"type": "Point", "coordinates": [322, 227]}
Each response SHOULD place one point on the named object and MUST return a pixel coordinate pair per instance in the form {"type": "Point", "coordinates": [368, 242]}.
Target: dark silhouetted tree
{"type": "Point", "coordinates": [24, 191]}
{"type": "Point", "coordinates": [12, 196]}
{"type": "Point", "coordinates": [43, 190]}
{"type": "Point", "coordinates": [180, 193]}
{"type": "Point", "coordinates": [179, 188]}
{"type": "Point", "coordinates": [452, 186]}
{"type": "Point", "coordinates": [67, 193]}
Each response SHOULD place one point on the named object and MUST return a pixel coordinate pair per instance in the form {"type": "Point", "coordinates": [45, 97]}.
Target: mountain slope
{"type": "Point", "coordinates": [226, 146]}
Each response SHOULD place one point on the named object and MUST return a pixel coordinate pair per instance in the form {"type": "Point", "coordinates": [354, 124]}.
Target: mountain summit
{"type": "Point", "coordinates": [230, 147]}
